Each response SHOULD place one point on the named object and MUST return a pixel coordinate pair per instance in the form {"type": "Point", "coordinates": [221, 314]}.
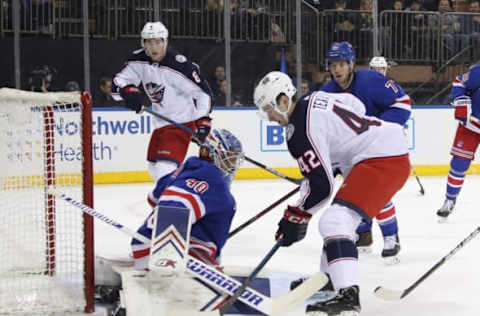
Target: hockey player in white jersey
{"type": "Point", "coordinates": [325, 129]}
{"type": "Point", "coordinates": [176, 89]}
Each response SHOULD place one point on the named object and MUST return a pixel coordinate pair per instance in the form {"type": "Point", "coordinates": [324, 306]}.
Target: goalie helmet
{"type": "Point", "coordinates": [225, 151]}
{"type": "Point", "coordinates": [341, 51]}
{"type": "Point", "coordinates": [268, 90]}
{"type": "Point", "coordinates": [154, 30]}
{"type": "Point", "coordinates": [379, 63]}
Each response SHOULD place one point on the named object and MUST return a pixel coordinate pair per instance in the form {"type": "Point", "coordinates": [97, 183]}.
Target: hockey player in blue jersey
{"type": "Point", "coordinates": [202, 185]}
{"type": "Point", "coordinates": [383, 98]}
{"type": "Point", "coordinates": [466, 100]}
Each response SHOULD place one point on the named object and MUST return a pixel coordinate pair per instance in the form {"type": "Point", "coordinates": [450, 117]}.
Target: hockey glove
{"type": "Point", "coordinates": [463, 105]}
{"type": "Point", "coordinates": [293, 226]}
{"type": "Point", "coordinates": [133, 97]}
{"type": "Point", "coordinates": [203, 125]}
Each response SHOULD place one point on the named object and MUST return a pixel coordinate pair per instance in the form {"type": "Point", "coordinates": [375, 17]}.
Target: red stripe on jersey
{"type": "Point", "coordinates": [141, 253]}
{"type": "Point", "coordinates": [187, 196]}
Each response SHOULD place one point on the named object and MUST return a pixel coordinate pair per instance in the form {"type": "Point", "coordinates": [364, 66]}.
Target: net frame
{"type": "Point", "coordinates": [17, 100]}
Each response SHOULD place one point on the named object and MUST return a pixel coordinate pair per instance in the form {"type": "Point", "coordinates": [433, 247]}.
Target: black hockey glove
{"type": "Point", "coordinates": [133, 97]}
{"type": "Point", "coordinates": [203, 125]}
{"type": "Point", "coordinates": [293, 226]}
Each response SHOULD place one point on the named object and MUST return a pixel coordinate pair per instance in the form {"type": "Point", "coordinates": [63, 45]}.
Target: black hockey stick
{"type": "Point", "coordinates": [422, 191]}
{"type": "Point", "coordinates": [252, 276]}
{"type": "Point", "coordinates": [265, 211]}
{"type": "Point", "coordinates": [191, 132]}
{"type": "Point", "coordinates": [394, 295]}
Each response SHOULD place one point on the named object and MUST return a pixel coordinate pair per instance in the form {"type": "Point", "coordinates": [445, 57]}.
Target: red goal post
{"type": "Point", "coordinates": [46, 245]}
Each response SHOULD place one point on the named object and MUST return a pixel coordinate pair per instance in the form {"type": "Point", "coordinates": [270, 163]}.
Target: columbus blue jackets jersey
{"type": "Point", "coordinates": [174, 85]}
{"type": "Point", "coordinates": [468, 84]}
{"type": "Point", "coordinates": [199, 186]}
{"type": "Point", "coordinates": [383, 97]}
{"type": "Point", "coordinates": [328, 129]}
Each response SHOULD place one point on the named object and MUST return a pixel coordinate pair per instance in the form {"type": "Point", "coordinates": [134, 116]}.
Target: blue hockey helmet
{"type": "Point", "coordinates": [341, 51]}
{"type": "Point", "coordinates": [225, 152]}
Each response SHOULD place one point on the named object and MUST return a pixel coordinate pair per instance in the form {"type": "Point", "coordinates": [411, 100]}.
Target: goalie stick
{"type": "Point", "coordinates": [191, 132]}
{"type": "Point", "coordinates": [249, 279]}
{"type": "Point", "coordinates": [215, 278]}
{"type": "Point", "coordinates": [394, 295]}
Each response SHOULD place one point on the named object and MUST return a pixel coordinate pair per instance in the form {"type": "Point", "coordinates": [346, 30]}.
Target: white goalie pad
{"type": "Point", "coordinates": [170, 239]}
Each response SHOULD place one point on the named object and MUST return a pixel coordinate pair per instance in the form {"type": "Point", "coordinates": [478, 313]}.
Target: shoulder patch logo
{"type": "Point", "coordinates": [180, 58]}
{"type": "Point", "coordinates": [289, 131]}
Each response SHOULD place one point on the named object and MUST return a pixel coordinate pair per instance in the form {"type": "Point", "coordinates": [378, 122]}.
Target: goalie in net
{"type": "Point", "coordinates": [201, 185]}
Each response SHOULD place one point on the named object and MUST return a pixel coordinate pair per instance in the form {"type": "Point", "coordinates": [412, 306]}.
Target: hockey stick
{"type": "Point", "coordinates": [215, 278]}
{"type": "Point", "coordinates": [191, 132]}
{"type": "Point", "coordinates": [252, 276]}
{"type": "Point", "coordinates": [422, 191]}
{"type": "Point", "coordinates": [394, 295]}
{"type": "Point", "coordinates": [265, 211]}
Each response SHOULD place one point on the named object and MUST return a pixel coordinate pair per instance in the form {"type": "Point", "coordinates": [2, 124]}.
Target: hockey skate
{"type": "Point", "coordinates": [364, 242]}
{"type": "Point", "coordinates": [324, 294]}
{"type": "Point", "coordinates": [345, 303]}
{"type": "Point", "coordinates": [445, 210]}
{"type": "Point", "coordinates": [391, 248]}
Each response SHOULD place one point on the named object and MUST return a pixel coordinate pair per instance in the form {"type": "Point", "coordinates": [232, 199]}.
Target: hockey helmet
{"type": "Point", "coordinates": [154, 30]}
{"type": "Point", "coordinates": [341, 51]}
{"type": "Point", "coordinates": [268, 90]}
{"type": "Point", "coordinates": [225, 151]}
{"type": "Point", "coordinates": [378, 63]}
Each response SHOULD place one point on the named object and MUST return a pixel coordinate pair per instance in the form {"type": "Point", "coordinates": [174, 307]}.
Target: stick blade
{"type": "Point", "coordinates": [388, 294]}
{"type": "Point", "coordinates": [283, 304]}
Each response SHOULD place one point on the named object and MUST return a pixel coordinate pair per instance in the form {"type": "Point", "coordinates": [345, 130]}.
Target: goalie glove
{"type": "Point", "coordinates": [133, 97]}
{"type": "Point", "coordinates": [203, 125]}
{"type": "Point", "coordinates": [293, 226]}
{"type": "Point", "coordinates": [463, 106]}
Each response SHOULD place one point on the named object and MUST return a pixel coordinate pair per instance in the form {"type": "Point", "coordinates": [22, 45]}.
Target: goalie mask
{"type": "Point", "coordinates": [269, 89]}
{"type": "Point", "coordinates": [378, 63]}
{"type": "Point", "coordinates": [225, 151]}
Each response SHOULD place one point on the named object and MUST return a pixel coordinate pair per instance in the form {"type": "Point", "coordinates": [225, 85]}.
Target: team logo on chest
{"type": "Point", "coordinates": [155, 91]}
{"type": "Point", "coordinates": [289, 131]}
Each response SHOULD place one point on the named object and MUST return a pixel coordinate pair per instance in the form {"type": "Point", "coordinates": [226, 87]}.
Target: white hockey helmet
{"type": "Point", "coordinates": [379, 63]}
{"type": "Point", "coordinates": [269, 88]}
{"type": "Point", "coordinates": [154, 30]}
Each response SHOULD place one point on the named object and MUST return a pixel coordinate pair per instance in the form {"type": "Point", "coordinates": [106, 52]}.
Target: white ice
{"type": "Point", "coordinates": [451, 290]}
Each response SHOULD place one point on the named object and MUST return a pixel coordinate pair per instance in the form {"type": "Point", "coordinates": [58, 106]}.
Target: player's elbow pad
{"type": "Point", "coordinates": [396, 115]}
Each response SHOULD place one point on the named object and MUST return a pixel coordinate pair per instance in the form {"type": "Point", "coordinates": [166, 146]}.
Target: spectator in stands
{"type": "Point", "coordinates": [38, 15]}
{"type": "Point", "coordinates": [364, 29]}
{"type": "Point", "coordinates": [41, 79]}
{"type": "Point", "coordinates": [72, 86]}
{"type": "Point", "coordinates": [340, 23]}
{"type": "Point", "coordinates": [221, 96]}
{"type": "Point", "coordinates": [450, 27]}
{"type": "Point", "coordinates": [470, 29]}
{"type": "Point", "coordinates": [305, 87]}
{"type": "Point", "coordinates": [217, 78]}
{"type": "Point", "coordinates": [103, 97]}
{"type": "Point", "coordinates": [417, 25]}
{"type": "Point", "coordinates": [460, 5]}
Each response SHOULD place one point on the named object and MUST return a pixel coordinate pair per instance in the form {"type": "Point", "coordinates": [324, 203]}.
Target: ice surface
{"type": "Point", "coordinates": [451, 290]}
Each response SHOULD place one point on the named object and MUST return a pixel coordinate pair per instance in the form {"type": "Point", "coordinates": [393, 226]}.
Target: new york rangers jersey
{"type": "Point", "coordinates": [382, 97]}
{"type": "Point", "coordinates": [174, 85]}
{"type": "Point", "coordinates": [327, 129]}
{"type": "Point", "coordinates": [468, 84]}
{"type": "Point", "coordinates": [201, 187]}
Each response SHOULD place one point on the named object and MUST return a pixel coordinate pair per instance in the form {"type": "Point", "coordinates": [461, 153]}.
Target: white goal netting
{"type": "Point", "coordinates": [43, 245]}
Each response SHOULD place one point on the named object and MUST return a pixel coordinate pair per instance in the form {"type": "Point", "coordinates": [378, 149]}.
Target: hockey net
{"type": "Point", "coordinates": [46, 245]}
